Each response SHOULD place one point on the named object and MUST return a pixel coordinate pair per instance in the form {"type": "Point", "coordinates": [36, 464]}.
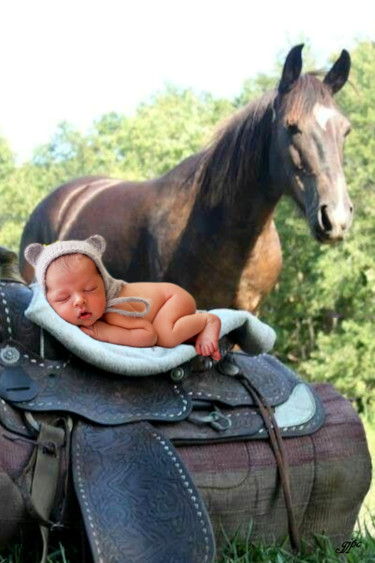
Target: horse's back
{"type": "Point", "coordinates": [74, 209]}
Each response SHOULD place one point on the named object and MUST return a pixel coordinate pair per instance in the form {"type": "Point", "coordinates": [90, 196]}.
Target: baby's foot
{"type": "Point", "coordinates": [207, 342]}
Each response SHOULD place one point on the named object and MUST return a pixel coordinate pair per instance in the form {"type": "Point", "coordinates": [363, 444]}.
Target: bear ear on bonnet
{"type": "Point", "coordinates": [97, 242]}
{"type": "Point", "coordinates": [32, 253]}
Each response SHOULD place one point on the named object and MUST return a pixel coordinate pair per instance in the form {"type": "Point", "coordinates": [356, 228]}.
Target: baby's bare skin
{"type": "Point", "coordinates": [76, 292]}
{"type": "Point", "coordinates": [173, 316]}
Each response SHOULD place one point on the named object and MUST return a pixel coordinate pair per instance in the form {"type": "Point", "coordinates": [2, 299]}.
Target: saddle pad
{"type": "Point", "coordinates": [138, 502]}
{"type": "Point", "coordinates": [251, 334]}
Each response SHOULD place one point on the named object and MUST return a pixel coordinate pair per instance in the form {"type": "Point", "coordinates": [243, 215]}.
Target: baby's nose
{"type": "Point", "coordinates": [79, 299]}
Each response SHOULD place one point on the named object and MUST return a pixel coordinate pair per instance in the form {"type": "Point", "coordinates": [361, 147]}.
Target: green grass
{"type": "Point", "coordinates": [323, 552]}
{"type": "Point", "coordinates": [236, 552]}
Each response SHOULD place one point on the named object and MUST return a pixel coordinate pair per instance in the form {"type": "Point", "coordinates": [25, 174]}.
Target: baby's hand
{"type": "Point", "coordinates": [95, 330]}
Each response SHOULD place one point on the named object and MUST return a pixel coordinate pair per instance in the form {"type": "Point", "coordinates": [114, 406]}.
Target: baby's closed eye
{"type": "Point", "coordinates": [90, 289]}
{"type": "Point", "coordinates": [61, 299]}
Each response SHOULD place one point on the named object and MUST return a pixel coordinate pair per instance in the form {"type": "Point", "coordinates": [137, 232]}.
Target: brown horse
{"type": "Point", "coordinates": [207, 225]}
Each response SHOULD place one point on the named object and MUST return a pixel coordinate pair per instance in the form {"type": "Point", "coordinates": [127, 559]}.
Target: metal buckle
{"type": "Point", "coordinates": [220, 421]}
{"type": "Point", "coordinates": [216, 419]}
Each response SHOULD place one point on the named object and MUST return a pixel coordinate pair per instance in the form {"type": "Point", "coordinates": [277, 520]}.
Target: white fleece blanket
{"type": "Point", "coordinates": [251, 334]}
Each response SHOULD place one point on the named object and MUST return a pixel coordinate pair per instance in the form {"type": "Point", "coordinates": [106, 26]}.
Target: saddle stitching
{"type": "Point", "coordinates": [85, 505]}
{"type": "Point", "coordinates": [105, 418]}
{"type": "Point", "coordinates": [186, 482]}
{"type": "Point", "coordinates": [7, 312]}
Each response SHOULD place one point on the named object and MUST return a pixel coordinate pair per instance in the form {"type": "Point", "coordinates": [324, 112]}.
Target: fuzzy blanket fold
{"type": "Point", "coordinates": [251, 334]}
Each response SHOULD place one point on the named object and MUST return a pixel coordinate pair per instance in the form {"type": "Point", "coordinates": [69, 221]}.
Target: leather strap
{"type": "Point", "coordinates": [43, 472]}
{"type": "Point", "coordinates": [281, 458]}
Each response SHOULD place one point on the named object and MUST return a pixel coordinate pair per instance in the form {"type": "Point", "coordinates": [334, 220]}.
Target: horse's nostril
{"type": "Point", "coordinates": [324, 219]}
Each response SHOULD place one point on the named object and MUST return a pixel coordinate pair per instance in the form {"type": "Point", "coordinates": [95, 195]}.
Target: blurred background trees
{"type": "Point", "coordinates": [323, 305]}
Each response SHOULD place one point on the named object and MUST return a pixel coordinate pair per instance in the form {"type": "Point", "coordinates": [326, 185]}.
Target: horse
{"type": "Point", "coordinates": [207, 224]}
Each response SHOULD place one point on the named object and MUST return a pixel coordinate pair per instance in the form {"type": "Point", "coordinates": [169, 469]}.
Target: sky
{"type": "Point", "coordinates": [75, 60]}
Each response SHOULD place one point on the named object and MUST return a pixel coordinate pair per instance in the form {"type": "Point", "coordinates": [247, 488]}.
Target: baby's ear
{"type": "Point", "coordinates": [32, 253]}
{"type": "Point", "coordinates": [98, 242]}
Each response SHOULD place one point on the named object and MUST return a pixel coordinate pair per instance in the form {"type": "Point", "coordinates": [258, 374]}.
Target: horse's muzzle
{"type": "Point", "coordinates": [332, 223]}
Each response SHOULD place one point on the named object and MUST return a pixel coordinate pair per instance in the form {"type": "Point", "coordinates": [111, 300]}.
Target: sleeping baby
{"type": "Point", "coordinates": [78, 287]}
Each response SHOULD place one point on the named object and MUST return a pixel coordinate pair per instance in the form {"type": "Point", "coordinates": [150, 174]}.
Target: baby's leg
{"type": "Point", "coordinates": [207, 342]}
{"type": "Point", "coordinates": [177, 322]}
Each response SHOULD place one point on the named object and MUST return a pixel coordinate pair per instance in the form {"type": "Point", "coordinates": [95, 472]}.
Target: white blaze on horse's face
{"type": "Point", "coordinates": [323, 114]}
{"type": "Point", "coordinates": [337, 212]}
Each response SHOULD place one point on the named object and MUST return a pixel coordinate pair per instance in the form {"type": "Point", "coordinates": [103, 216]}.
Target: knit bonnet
{"type": "Point", "coordinates": [41, 256]}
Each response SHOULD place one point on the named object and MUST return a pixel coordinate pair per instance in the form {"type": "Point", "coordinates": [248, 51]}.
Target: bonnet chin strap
{"type": "Point", "coordinates": [119, 300]}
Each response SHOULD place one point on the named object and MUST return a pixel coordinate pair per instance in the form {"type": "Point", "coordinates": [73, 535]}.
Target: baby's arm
{"type": "Point", "coordinates": [127, 331]}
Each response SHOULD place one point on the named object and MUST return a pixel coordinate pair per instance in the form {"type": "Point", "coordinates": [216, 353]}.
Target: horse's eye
{"type": "Point", "coordinates": [293, 129]}
{"type": "Point", "coordinates": [347, 131]}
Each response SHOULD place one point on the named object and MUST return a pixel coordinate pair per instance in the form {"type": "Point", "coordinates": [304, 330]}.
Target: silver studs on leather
{"type": "Point", "coordinates": [9, 355]}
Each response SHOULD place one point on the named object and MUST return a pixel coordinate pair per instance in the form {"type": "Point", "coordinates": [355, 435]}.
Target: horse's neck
{"type": "Point", "coordinates": [217, 231]}
{"type": "Point", "coordinates": [217, 248]}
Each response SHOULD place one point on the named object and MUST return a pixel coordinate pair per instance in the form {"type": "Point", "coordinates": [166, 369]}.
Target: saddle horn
{"type": "Point", "coordinates": [9, 270]}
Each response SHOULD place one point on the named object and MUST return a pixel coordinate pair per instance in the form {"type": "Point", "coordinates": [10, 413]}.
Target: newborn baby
{"type": "Point", "coordinates": [81, 291]}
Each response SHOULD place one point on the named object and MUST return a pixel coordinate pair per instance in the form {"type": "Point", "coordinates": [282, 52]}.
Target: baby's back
{"type": "Point", "coordinates": [156, 293]}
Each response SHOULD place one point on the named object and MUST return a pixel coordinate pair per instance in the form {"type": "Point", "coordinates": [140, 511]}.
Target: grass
{"type": "Point", "coordinates": [236, 552]}
{"type": "Point", "coordinates": [324, 552]}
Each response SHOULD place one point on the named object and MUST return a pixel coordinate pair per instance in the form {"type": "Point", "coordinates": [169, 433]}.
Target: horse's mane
{"type": "Point", "coordinates": [238, 154]}
{"type": "Point", "coordinates": [235, 154]}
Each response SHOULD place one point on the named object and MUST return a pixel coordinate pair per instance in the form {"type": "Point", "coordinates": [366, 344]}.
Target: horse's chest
{"type": "Point", "coordinates": [261, 271]}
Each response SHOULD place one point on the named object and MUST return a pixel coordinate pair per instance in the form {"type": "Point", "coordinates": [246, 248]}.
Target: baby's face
{"type": "Point", "coordinates": [75, 290]}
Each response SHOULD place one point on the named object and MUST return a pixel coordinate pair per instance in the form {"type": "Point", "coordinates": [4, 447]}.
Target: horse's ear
{"type": "Point", "coordinates": [338, 75]}
{"type": "Point", "coordinates": [292, 69]}
{"type": "Point", "coordinates": [32, 253]}
{"type": "Point", "coordinates": [98, 242]}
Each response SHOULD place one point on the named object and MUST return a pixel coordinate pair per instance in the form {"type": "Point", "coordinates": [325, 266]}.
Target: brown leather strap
{"type": "Point", "coordinates": [281, 458]}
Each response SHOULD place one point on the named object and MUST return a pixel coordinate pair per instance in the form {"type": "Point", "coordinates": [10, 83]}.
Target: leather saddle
{"type": "Point", "coordinates": [137, 499]}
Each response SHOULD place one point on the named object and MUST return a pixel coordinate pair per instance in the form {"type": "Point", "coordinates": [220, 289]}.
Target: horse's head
{"type": "Point", "coordinates": [307, 145]}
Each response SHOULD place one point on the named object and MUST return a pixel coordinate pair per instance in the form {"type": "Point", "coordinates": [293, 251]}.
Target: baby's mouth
{"type": "Point", "coordinates": [84, 315]}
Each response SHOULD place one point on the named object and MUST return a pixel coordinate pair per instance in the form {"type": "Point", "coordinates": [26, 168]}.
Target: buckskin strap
{"type": "Point", "coordinates": [138, 502]}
